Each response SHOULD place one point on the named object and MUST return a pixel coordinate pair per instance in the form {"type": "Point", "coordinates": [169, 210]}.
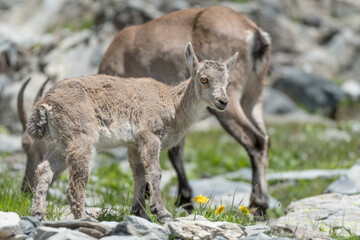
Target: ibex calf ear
{"type": "Point", "coordinates": [231, 61]}
{"type": "Point", "coordinates": [190, 57]}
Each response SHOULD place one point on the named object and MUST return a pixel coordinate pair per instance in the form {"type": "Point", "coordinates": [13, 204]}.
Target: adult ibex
{"type": "Point", "coordinates": [79, 116]}
{"type": "Point", "coordinates": [34, 149]}
{"type": "Point", "coordinates": [154, 50]}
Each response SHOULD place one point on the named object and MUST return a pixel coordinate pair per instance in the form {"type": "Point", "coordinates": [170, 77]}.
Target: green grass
{"type": "Point", "coordinates": [14, 200]}
{"type": "Point", "coordinates": [294, 146]}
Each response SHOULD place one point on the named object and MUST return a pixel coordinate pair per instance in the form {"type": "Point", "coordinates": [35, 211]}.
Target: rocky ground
{"type": "Point", "coordinates": [310, 218]}
{"type": "Point", "coordinates": [314, 69]}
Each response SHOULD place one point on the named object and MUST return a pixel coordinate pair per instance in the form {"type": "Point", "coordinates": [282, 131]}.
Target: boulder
{"type": "Point", "coordinates": [256, 229]}
{"type": "Point", "coordinates": [352, 89]}
{"type": "Point", "coordinates": [347, 184]}
{"type": "Point", "coordinates": [322, 61]}
{"type": "Point", "coordinates": [10, 143]}
{"type": "Point", "coordinates": [8, 100]}
{"type": "Point", "coordinates": [139, 227]}
{"type": "Point", "coordinates": [78, 54]}
{"type": "Point", "coordinates": [28, 224]}
{"type": "Point", "coordinates": [68, 234]}
{"type": "Point", "coordinates": [276, 102]}
{"type": "Point", "coordinates": [43, 232]}
{"type": "Point", "coordinates": [314, 92]}
{"type": "Point", "coordinates": [198, 227]}
{"type": "Point", "coordinates": [329, 212]}
{"type": "Point", "coordinates": [9, 224]}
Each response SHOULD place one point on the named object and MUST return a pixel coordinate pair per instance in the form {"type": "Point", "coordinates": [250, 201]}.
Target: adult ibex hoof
{"type": "Point", "coordinates": [164, 217]}
{"type": "Point", "coordinates": [259, 204]}
{"type": "Point", "coordinates": [185, 202]}
{"type": "Point", "coordinates": [39, 216]}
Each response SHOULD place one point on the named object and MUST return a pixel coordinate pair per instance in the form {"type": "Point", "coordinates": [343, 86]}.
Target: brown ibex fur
{"type": "Point", "coordinates": [80, 116]}
{"type": "Point", "coordinates": [34, 149]}
{"type": "Point", "coordinates": [154, 50]}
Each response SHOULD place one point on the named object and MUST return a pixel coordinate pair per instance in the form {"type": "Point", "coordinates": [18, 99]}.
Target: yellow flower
{"type": "Point", "coordinates": [219, 210]}
{"type": "Point", "coordinates": [200, 199]}
{"type": "Point", "coordinates": [243, 209]}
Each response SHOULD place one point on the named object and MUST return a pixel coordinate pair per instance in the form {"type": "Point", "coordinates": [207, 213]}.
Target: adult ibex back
{"type": "Point", "coordinates": [34, 149]}
{"type": "Point", "coordinates": [155, 49]}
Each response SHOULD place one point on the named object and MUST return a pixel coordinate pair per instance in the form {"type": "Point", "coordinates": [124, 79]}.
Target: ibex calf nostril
{"type": "Point", "coordinates": [223, 102]}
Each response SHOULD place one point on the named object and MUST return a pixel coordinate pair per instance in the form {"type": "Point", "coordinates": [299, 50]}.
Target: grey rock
{"type": "Point", "coordinates": [256, 229]}
{"type": "Point", "coordinates": [114, 237]}
{"type": "Point", "coordinates": [201, 228]}
{"type": "Point", "coordinates": [8, 100]}
{"type": "Point", "coordinates": [91, 232]}
{"type": "Point", "coordinates": [306, 174]}
{"type": "Point", "coordinates": [19, 237]}
{"type": "Point", "coordinates": [262, 236]}
{"type": "Point", "coordinates": [276, 102]}
{"type": "Point", "coordinates": [68, 234]}
{"type": "Point", "coordinates": [110, 224]}
{"type": "Point", "coordinates": [340, 213]}
{"type": "Point", "coordinates": [352, 89]}
{"type": "Point", "coordinates": [258, 236]}
{"type": "Point", "coordinates": [222, 191]}
{"type": "Point", "coordinates": [78, 54]}
{"type": "Point", "coordinates": [170, 6]}
{"type": "Point", "coordinates": [249, 9]}
{"type": "Point", "coordinates": [43, 232]}
{"type": "Point", "coordinates": [272, 18]}
{"type": "Point", "coordinates": [347, 184]}
{"type": "Point", "coordinates": [28, 224]}
{"type": "Point", "coordinates": [299, 232]}
{"type": "Point", "coordinates": [315, 93]}
{"type": "Point", "coordinates": [150, 7]}
{"type": "Point", "coordinates": [320, 60]}
{"type": "Point", "coordinates": [75, 224]}
{"type": "Point", "coordinates": [140, 227]}
{"type": "Point", "coordinates": [245, 173]}
{"type": "Point", "coordinates": [10, 143]}
{"type": "Point", "coordinates": [9, 224]}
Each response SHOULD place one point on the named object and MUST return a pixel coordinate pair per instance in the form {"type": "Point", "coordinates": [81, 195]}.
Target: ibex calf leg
{"type": "Point", "coordinates": [80, 154]}
{"type": "Point", "coordinates": [149, 155]}
{"type": "Point", "coordinates": [45, 172]}
{"type": "Point", "coordinates": [138, 204]}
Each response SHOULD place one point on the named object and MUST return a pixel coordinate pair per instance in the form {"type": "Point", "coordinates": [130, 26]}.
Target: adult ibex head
{"type": "Point", "coordinates": [34, 149]}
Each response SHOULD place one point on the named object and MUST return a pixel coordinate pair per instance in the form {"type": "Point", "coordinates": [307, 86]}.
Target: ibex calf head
{"type": "Point", "coordinates": [82, 115]}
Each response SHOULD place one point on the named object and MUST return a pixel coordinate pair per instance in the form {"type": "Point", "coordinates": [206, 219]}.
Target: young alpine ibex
{"type": "Point", "coordinates": [82, 115]}
{"type": "Point", "coordinates": [34, 149]}
{"type": "Point", "coordinates": [152, 50]}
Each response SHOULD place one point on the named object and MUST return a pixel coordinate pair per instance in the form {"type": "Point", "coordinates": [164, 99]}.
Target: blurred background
{"type": "Point", "coordinates": [311, 101]}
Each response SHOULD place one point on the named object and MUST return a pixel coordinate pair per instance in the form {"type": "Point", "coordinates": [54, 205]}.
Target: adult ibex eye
{"type": "Point", "coordinates": [204, 80]}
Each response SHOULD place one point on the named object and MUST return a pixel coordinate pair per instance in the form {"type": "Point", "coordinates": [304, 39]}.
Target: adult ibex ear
{"type": "Point", "coordinates": [231, 61]}
{"type": "Point", "coordinates": [190, 58]}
